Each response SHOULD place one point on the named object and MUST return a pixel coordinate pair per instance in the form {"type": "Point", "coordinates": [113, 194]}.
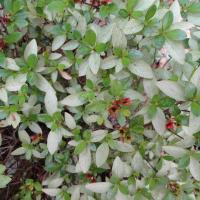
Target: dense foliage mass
{"type": "Point", "coordinates": [102, 98]}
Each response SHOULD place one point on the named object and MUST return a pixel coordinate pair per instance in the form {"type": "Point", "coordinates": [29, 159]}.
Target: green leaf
{"type": "Point", "coordinates": [116, 88]}
{"type": "Point", "coordinates": [123, 13]}
{"type": "Point", "coordinates": [190, 90]}
{"type": "Point", "coordinates": [13, 37]}
{"type": "Point", "coordinates": [32, 78]}
{"type": "Point", "coordinates": [90, 37]}
{"type": "Point", "coordinates": [2, 169]}
{"type": "Point", "coordinates": [159, 41]}
{"type": "Point", "coordinates": [32, 61]}
{"type": "Point", "coordinates": [80, 147]}
{"type": "Point", "coordinates": [150, 12]}
{"type": "Point", "coordinates": [152, 109]}
{"type": "Point", "coordinates": [131, 4]}
{"type": "Point", "coordinates": [123, 188]}
{"type": "Point", "coordinates": [44, 118]}
{"type": "Point", "coordinates": [4, 180]}
{"type": "Point", "coordinates": [2, 59]}
{"type": "Point", "coordinates": [176, 35]}
{"type": "Point", "coordinates": [100, 47]}
{"type": "Point", "coordinates": [184, 162]}
{"type": "Point", "coordinates": [166, 102]}
{"type": "Point", "coordinates": [56, 6]}
{"type": "Point", "coordinates": [195, 108]}
{"type": "Point", "coordinates": [194, 7]}
{"type": "Point", "coordinates": [167, 20]}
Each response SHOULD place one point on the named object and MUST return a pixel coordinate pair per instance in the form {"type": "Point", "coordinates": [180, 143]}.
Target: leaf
{"type": "Point", "coordinates": [176, 10]}
{"type": "Point", "coordinates": [108, 62]}
{"type": "Point", "coordinates": [18, 151]}
{"type": "Point", "coordinates": [194, 167]}
{"type": "Point", "coordinates": [171, 89]}
{"type": "Point", "coordinates": [118, 168]}
{"type": "Point", "coordinates": [90, 37]}
{"type": "Point", "coordinates": [159, 122]}
{"type": "Point", "coordinates": [176, 35]}
{"type": "Point", "coordinates": [176, 152]}
{"type": "Point", "coordinates": [69, 121]}
{"type": "Point", "coordinates": [124, 147]}
{"type": "Point", "coordinates": [98, 135]}
{"type": "Point", "coordinates": [51, 191]}
{"type": "Point", "coordinates": [195, 108]}
{"type": "Point", "coordinates": [15, 83]}
{"type": "Point", "coordinates": [94, 62]}
{"type": "Point", "coordinates": [176, 50]}
{"type": "Point", "coordinates": [137, 162]}
{"type": "Point", "coordinates": [167, 20]}
{"type": "Point", "coordinates": [53, 140]}
{"type": "Point", "coordinates": [2, 169]}
{"type": "Point", "coordinates": [102, 154]}
{"type": "Point", "coordinates": [71, 45]}
{"type": "Point", "coordinates": [142, 69]}
{"type": "Point", "coordinates": [194, 7]}
{"type": "Point", "coordinates": [13, 37]}
{"type": "Point", "coordinates": [131, 4]}
{"type": "Point", "coordinates": [51, 103]}
{"type": "Point", "coordinates": [132, 26]}
{"type": "Point", "coordinates": [143, 4]}
{"type": "Point", "coordinates": [58, 41]}
{"type": "Point", "coordinates": [3, 95]}
{"type": "Point", "coordinates": [150, 12]}
{"type": "Point", "coordinates": [118, 38]}
{"type": "Point", "coordinates": [24, 137]}
{"type": "Point", "coordinates": [11, 64]}
{"type": "Point", "coordinates": [80, 147]}
{"type": "Point", "coordinates": [4, 180]}
{"type": "Point", "coordinates": [85, 160]}
{"type": "Point", "coordinates": [31, 49]}
{"type": "Point", "coordinates": [56, 6]}
{"type": "Point", "coordinates": [123, 188]}
{"type": "Point", "coordinates": [72, 100]}
{"type": "Point", "coordinates": [100, 187]}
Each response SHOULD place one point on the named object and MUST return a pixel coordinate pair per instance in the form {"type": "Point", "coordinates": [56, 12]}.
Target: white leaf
{"type": "Point", "coordinates": [85, 160]}
{"type": "Point", "coordinates": [98, 135]}
{"type": "Point", "coordinates": [150, 87]}
{"type": "Point", "coordinates": [144, 4]}
{"type": "Point", "coordinates": [100, 187]}
{"type": "Point", "coordinates": [83, 68]}
{"type": "Point", "coordinates": [14, 83]}
{"type": "Point", "coordinates": [159, 122]}
{"type": "Point", "coordinates": [51, 191]}
{"type": "Point", "coordinates": [133, 94]}
{"type": "Point", "coordinates": [72, 100]}
{"type": "Point", "coordinates": [124, 147]}
{"type": "Point", "coordinates": [171, 89]}
{"type": "Point", "coordinates": [31, 49]}
{"type": "Point", "coordinates": [102, 154]}
{"type": "Point", "coordinates": [196, 77]}
{"type": "Point", "coordinates": [69, 121]}
{"type": "Point", "coordinates": [18, 151]}
{"type": "Point", "coordinates": [71, 45]}
{"type": "Point", "coordinates": [137, 162]}
{"type": "Point", "coordinates": [121, 196]}
{"type": "Point", "coordinates": [24, 137]}
{"type": "Point", "coordinates": [176, 50]}
{"type": "Point", "coordinates": [194, 168]}
{"type": "Point", "coordinates": [108, 62]}
{"type": "Point", "coordinates": [141, 69]}
{"type": "Point", "coordinates": [3, 95]}
{"type": "Point", "coordinates": [14, 119]}
{"type": "Point", "coordinates": [176, 10]}
{"type": "Point", "coordinates": [55, 56]}
{"type": "Point", "coordinates": [35, 127]}
{"type": "Point", "coordinates": [194, 123]}
{"type": "Point", "coordinates": [53, 141]}
{"type": "Point", "coordinates": [118, 168]}
{"type": "Point", "coordinates": [51, 103]}
{"type": "Point", "coordinates": [58, 41]}
{"type": "Point", "coordinates": [53, 181]}
{"type": "Point", "coordinates": [94, 62]}
{"type": "Point", "coordinates": [11, 64]}
{"type": "Point", "coordinates": [76, 193]}
{"type": "Point", "coordinates": [42, 84]}
{"type": "Point", "coordinates": [132, 27]}
{"type": "Point", "coordinates": [118, 38]}
{"type": "Point", "coordinates": [174, 151]}
{"type": "Point", "coordinates": [65, 75]}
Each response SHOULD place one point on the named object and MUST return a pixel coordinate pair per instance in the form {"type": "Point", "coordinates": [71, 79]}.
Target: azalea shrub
{"type": "Point", "coordinates": [102, 99]}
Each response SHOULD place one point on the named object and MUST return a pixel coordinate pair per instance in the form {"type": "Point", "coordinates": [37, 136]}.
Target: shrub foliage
{"type": "Point", "coordinates": [104, 95]}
